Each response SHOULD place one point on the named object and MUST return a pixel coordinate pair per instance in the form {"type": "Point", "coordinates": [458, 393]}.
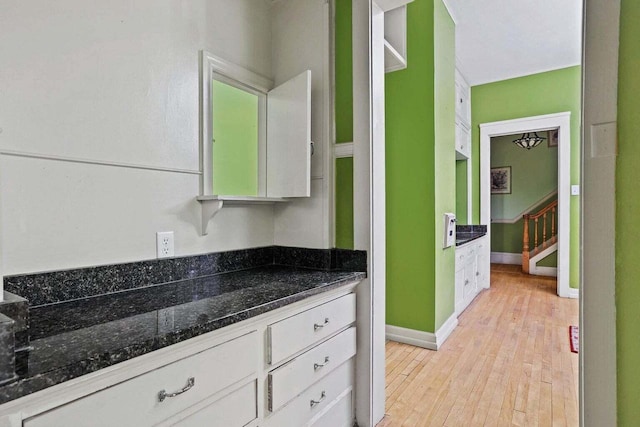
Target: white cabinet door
{"type": "Point", "coordinates": [463, 141]}
{"type": "Point", "coordinates": [314, 401]}
{"type": "Point", "coordinates": [136, 402]}
{"type": "Point", "coordinates": [287, 337]}
{"type": "Point", "coordinates": [289, 380]}
{"type": "Point", "coordinates": [459, 286]}
{"type": "Point", "coordinates": [289, 138]}
{"type": "Point", "coordinates": [236, 409]}
{"type": "Point", "coordinates": [339, 414]}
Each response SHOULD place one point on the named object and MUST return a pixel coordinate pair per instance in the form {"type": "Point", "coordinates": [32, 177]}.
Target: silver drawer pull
{"type": "Point", "coordinates": [316, 402]}
{"type": "Point", "coordinates": [317, 326]}
{"type": "Point", "coordinates": [162, 395]}
{"type": "Point", "coordinates": [317, 366]}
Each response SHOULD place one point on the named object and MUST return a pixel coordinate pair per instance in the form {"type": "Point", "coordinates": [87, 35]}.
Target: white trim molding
{"type": "Point", "coordinates": [506, 258]}
{"type": "Point", "coordinates": [544, 271]}
{"type": "Point", "coordinates": [343, 149]}
{"type": "Point", "coordinates": [422, 339]}
{"type": "Point", "coordinates": [526, 210]}
{"type": "Point", "coordinates": [561, 121]}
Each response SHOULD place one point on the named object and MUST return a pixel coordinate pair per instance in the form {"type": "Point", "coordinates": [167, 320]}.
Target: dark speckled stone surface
{"type": "Point", "coordinates": [57, 286]}
{"type": "Point", "coordinates": [76, 337]}
{"type": "Point", "coordinates": [467, 233]}
{"type": "Point", "coordinates": [7, 347]}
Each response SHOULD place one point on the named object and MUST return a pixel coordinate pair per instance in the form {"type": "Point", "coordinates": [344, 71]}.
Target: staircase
{"type": "Point", "coordinates": [543, 241]}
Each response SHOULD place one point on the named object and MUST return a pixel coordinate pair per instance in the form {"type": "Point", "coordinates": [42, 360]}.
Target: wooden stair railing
{"type": "Point", "coordinates": [529, 252]}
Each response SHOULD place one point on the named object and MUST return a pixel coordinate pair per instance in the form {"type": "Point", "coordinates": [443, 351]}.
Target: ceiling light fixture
{"type": "Point", "coordinates": [529, 140]}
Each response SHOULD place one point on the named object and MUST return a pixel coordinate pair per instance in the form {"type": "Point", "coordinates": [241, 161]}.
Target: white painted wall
{"type": "Point", "coordinates": [301, 41]}
{"type": "Point", "coordinates": [114, 82]}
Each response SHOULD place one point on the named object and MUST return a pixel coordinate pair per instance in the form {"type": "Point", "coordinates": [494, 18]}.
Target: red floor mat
{"type": "Point", "coordinates": [574, 338]}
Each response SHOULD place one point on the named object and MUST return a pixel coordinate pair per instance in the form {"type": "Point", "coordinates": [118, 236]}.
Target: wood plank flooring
{"type": "Point", "coordinates": [507, 363]}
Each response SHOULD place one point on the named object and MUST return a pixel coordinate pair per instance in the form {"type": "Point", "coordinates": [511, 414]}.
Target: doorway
{"type": "Point", "coordinates": [560, 121]}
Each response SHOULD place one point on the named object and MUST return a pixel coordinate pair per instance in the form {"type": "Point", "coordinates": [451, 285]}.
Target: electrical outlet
{"type": "Point", "coordinates": [165, 320]}
{"type": "Point", "coordinates": [164, 244]}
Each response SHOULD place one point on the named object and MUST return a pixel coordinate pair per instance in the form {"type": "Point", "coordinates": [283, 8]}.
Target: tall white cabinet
{"type": "Point", "coordinates": [463, 118]}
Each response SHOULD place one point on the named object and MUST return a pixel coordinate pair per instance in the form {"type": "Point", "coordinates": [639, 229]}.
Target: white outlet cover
{"type": "Point", "coordinates": [164, 244]}
{"type": "Point", "coordinates": [575, 190]}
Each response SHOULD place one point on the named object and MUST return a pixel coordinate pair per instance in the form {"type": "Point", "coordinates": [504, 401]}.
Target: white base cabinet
{"type": "Point", "coordinates": [224, 378]}
{"type": "Point", "coordinates": [472, 271]}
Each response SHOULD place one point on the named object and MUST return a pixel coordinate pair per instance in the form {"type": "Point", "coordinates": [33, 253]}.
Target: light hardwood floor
{"type": "Point", "coordinates": [507, 363]}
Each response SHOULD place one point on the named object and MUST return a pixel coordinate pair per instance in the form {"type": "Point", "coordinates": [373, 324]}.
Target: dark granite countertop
{"type": "Point", "coordinates": [468, 233]}
{"type": "Point", "coordinates": [76, 337]}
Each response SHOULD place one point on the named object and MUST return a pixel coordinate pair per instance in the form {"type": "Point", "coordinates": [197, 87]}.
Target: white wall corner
{"type": "Point", "coordinates": [422, 339]}
{"type": "Point", "coordinates": [411, 337]}
{"type": "Point", "coordinates": [506, 258]}
{"type": "Point", "coordinates": [446, 329]}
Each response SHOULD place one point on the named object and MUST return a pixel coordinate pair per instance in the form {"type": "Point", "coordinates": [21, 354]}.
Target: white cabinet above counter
{"type": "Point", "coordinates": [463, 118]}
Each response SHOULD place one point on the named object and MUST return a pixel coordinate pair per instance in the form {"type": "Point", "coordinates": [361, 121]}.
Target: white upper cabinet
{"type": "Point", "coordinates": [463, 118]}
{"type": "Point", "coordinates": [256, 139]}
{"type": "Point", "coordinates": [463, 100]}
{"type": "Point", "coordinates": [289, 145]}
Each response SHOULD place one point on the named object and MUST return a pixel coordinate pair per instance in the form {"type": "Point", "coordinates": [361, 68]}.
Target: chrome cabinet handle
{"type": "Point", "coordinates": [162, 395]}
{"type": "Point", "coordinates": [317, 326]}
{"type": "Point", "coordinates": [316, 402]}
{"type": "Point", "coordinates": [313, 148]}
{"type": "Point", "coordinates": [317, 366]}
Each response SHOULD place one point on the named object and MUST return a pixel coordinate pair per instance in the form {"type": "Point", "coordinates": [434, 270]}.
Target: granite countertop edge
{"type": "Point", "coordinates": [464, 241]}
{"type": "Point", "coordinates": [31, 384]}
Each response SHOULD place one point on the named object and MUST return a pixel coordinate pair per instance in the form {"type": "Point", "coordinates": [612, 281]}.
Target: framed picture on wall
{"type": "Point", "coordinates": [552, 139]}
{"type": "Point", "coordinates": [501, 180]}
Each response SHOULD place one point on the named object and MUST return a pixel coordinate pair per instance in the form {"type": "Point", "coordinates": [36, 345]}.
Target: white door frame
{"type": "Point", "coordinates": [535, 124]}
{"type": "Point", "coordinates": [369, 207]}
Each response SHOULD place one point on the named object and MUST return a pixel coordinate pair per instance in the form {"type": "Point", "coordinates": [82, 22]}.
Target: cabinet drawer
{"type": "Point", "coordinates": [339, 414]}
{"type": "Point", "coordinates": [298, 332]}
{"type": "Point", "coordinates": [237, 409]}
{"type": "Point", "coordinates": [290, 379]}
{"type": "Point", "coordinates": [313, 402]}
{"type": "Point", "coordinates": [136, 402]}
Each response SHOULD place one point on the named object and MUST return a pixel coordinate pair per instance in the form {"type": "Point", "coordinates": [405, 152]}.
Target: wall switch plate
{"type": "Point", "coordinates": [575, 190]}
{"type": "Point", "coordinates": [164, 244]}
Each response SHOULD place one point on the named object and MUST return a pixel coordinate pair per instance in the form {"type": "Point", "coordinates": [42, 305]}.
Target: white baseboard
{"type": "Point", "coordinates": [544, 271]}
{"type": "Point", "coordinates": [422, 339]}
{"type": "Point", "coordinates": [574, 293]}
{"type": "Point", "coordinates": [506, 258]}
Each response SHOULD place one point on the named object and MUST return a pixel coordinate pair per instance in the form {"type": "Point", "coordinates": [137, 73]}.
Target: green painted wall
{"type": "Point", "coordinates": [445, 157]}
{"type": "Point", "coordinates": [508, 237]}
{"type": "Point", "coordinates": [235, 152]}
{"type": "Point", "coordinates": [627, 224]}
{"type": "Point", "coordinates": [545, 93]}
{"type": "Point", "coordinates": [534, 175]}
{"type": "Point", "coordinates": [344, 123]}
{"type": "Point", "coordinates": [343, 71]}
{"type": "Point", "coordinates": [461, 191]}
{"type": "Point", "coordinates": [416, 194]}
{"type": "Point", "coordinates": [344, 203]}
{"type": "Point", "coordinates": [550, 261]}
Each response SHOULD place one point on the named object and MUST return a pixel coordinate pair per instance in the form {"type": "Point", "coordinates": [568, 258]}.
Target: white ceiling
{"type": "Point", "coordinates": [502, 39]}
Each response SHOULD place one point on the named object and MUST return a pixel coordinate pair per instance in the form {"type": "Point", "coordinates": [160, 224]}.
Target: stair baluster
{"type": "Point", "coordinates": [529, 252]}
